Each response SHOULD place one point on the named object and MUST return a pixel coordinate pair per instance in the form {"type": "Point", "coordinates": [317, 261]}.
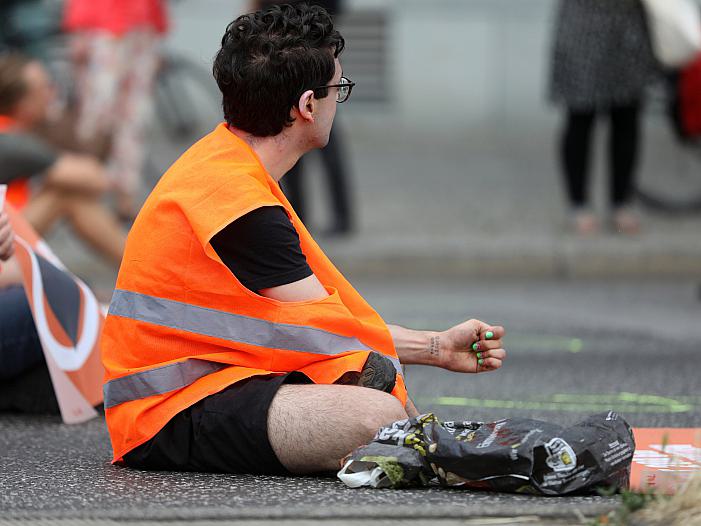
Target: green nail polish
{"type": "Point", "coordinates": [489, 335]}
{"type": "Point", "coordinates": [479, 355]}
{"type": "Point", "coordinates": [475, 346]}
{"type": "Point", "coordinates": [480, 362]}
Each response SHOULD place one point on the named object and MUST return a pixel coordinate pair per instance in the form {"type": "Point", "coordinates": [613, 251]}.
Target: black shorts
{"type": "Point", "coordinates": [226, 432]}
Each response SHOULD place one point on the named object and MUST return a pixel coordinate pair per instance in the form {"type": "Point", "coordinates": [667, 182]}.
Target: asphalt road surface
{"type": "Point", "coordinates": [575, 348]}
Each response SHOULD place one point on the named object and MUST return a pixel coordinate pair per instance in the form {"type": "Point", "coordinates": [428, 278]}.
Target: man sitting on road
{"type": "Point", "coordinates": [232, 342]}
{"type": "Point", "coordinates": [45, 184]}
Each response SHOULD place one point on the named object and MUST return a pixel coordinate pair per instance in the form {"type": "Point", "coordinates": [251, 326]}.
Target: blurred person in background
{"type": "Point", "coordinates": [332, 157]}
{"type": "Point", "coordinates": [115, 51]}
{"type": "Point", "coordinates": [33, 29]}
{"type": "Point", "coordinates": [47, 185]}
{"type": "Point", "coordinates": [602, 63]}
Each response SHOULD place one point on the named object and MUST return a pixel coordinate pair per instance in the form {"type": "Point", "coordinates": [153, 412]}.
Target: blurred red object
{"type": "Point", "coordinates": [116, 16]}
{"type": "Point", "coordinates": [19, 190]}
{"type": "Point", "coordinates": [690, 99]}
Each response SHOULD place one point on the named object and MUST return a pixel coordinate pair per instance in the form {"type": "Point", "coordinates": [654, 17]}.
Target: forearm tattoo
{"type": "Point", "coordinates": [434, 346]}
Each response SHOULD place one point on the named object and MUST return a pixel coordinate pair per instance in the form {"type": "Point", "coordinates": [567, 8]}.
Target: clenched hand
{"type": "Point", "coordinates": [470, 347]}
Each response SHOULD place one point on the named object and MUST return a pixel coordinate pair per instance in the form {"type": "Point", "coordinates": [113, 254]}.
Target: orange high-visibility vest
{"type": "Point", "coordinates": [181, 327]}
{"type": "Point", "coordinates": [18, 191]}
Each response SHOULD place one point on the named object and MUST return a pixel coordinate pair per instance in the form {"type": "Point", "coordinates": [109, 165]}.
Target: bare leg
{"type": "Point", "coordinates": [312, 427]}
{"type": "Point", "coordinates": [90, 219]}
{"type": "Point", "coordinates": [98, 227]}
{"type": "Point", "coordinates": [45, 208]}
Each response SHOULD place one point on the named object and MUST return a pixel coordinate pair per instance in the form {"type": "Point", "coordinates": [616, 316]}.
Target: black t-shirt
{"type": "Point", "coordinates": [262, 249]}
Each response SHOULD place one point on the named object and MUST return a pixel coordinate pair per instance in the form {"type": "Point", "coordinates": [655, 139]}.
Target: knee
{"type": "Point", "coordinates": [385, 410]}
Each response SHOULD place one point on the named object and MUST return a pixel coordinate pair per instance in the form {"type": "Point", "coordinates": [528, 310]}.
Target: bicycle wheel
{"type": "Point", "coordinates": [677, 189]}
{"type": "Point", "coordinates": [187, 106]}
{"type": "Point", "coordinates": [672, 183]}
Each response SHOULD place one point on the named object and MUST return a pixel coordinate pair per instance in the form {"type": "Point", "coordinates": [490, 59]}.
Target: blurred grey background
{"type": "Point", "coordinates": [453, 146]}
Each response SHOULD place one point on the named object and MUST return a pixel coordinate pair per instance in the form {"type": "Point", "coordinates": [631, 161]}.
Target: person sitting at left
{"type": "Point", "coordinates": [44, 184]}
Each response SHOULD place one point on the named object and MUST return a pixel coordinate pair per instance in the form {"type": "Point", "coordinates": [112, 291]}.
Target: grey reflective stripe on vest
{"type": "Point", "coordinates": [157, 381]}
{"type": "Point", "coordinates": [217, 324]}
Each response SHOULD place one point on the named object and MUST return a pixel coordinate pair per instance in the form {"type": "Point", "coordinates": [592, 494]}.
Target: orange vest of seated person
{"type": "Point", "coordinates": [181, 327]}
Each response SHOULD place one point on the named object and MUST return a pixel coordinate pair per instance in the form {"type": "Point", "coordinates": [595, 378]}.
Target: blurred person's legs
{"type": "Point", "coordinates": [575, 153]}
{"type": "Point", "coordinates": [115, 81]}
{"type": "Point", "coordinates": [98, 74]}
{"type": "Point", "coordinates": [623, 157]}
{"type": "Point", "coordinates": [86, 214]}
{"type": "Point", "coordinates": [133, 109]}
{"type": "Point", "coordinates": [25, 384]}
{"type": "Point", "coordinates": [293, 186]}
{"type": "Point", "coordinates": [336, 174]}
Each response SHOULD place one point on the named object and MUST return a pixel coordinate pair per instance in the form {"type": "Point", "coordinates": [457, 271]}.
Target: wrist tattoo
{"type": "Point", "coordinates": [434, 345]}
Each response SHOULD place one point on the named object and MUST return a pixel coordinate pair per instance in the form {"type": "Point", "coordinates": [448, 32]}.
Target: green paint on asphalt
{"type": "Point", "coordinates": [566, 402]}
{"type": "Point", "coordinates": [545, 342]}
{"type": "Point", "coordinates": [619, 397]}
{"type": "Point", "coordinates": [575, 345]}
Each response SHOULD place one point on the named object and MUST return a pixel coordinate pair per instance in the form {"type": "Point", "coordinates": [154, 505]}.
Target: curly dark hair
{"type": "Point", "coordinates": [268, 59]}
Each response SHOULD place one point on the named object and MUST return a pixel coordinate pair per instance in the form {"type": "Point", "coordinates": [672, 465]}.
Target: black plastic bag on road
{"type": "Point", "coordinates": [514, 455]}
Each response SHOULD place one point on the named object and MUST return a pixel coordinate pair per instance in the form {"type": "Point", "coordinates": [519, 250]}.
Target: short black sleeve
{"type": "Point", "coordinates": [22, 155]}
{"type": "Point", "coordinates": [262, 249]}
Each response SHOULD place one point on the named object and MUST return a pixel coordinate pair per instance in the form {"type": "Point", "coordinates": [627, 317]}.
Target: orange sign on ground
{"type": "Point", "coordinates": [665, 458]}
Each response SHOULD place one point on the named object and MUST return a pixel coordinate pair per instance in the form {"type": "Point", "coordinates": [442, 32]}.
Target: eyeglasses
{"type": "Point", "coordinates": [344, 89]}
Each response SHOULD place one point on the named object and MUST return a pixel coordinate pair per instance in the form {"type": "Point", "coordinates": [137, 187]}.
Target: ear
{"type": "Point", "coordinates": [306, 106]}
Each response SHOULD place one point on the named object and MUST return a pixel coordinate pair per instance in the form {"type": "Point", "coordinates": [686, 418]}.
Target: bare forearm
{"type": "Point", "coordinates": [410, 409]}
{"type": "Point", "coordinates": [415, 347]}
{"type": "Point", "coordinates": [470, 347]}
{"type": "Point", "coordinates": [77, 173]}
